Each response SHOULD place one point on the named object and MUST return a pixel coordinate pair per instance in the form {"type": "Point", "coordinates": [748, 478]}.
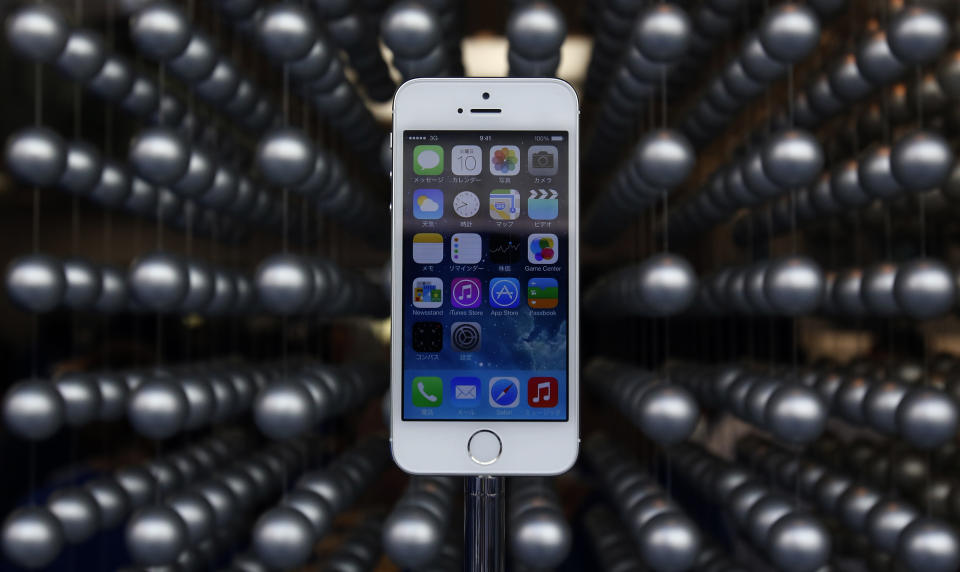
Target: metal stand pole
{"type": "Point", "coordinates": [484, 524]}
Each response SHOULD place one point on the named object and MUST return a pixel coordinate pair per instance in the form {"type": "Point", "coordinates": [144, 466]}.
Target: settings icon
{"type": "Point", "coordinates": [465, 336]}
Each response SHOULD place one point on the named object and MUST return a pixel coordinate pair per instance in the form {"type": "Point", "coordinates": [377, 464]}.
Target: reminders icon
{"type": "Point", "coordinates": [428, 248]}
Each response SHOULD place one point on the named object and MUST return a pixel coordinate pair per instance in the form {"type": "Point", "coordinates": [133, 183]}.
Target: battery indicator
{"type": "Point", "coordinates": [556, 137]}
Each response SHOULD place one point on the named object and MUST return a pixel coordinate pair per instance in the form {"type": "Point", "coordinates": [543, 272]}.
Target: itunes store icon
{"type": "Point", "coordinates": [465, 292]}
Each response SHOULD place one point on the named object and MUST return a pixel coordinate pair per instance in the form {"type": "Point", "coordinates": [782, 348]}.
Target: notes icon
{"type": "Point", "coordinates": [465, 292]}
{"type": "Point", "coordinates": [542, 392]}
{"type": "Point", "coordinates": [427, 248]}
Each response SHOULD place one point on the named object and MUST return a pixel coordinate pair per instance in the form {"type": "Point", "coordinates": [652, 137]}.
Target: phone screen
{"type": "Point", "coordinates": [485, 275]}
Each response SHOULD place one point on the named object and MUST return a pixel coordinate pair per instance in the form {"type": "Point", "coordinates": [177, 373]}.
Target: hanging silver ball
{"type": "Point", "coordinates": [876, 61]}
{"type": "Point", "coordinates": [948, 73]}
{"type": "Point", "coordinates": [114, 80]}
{"type": "Point", "coordinates": [200, 400]}
{"type": "Point", "coordinates": [82, 56]}
{"type": "Point", "coordinates": [200, 286]}
{"type": "Point", "coordinates": [886, 521]}
{"type": "Point", "coordinates": [283, 538]}
{"type": "Point", "coordinates": [413, 536]}
{"type": "Point", "coordinates": [921, 160]}
{"type": "Point", "coordinates": [792, 158]}
{"type": "Point", "coordinates": [845, 184]}
{"type": "Point", "coordinates": [667, 414]}
{"type": "Point", "coordinates": [794, 285]}
{"type": "Point", "coordinates": [789, 32]}
{"type": "Point", "coordinates": [798, 543]}
{"type": "Point", "coordinates": [535, 30]}
{"type": "Point", "coordinates": [664, 158]}
{"type": "Point", "coordinates": [36, 282]}
{"type": "Point", "coordinates": [160, 155]}
{"type": "Point", "coordinates": [314, 507]}
{"type": "Point", "coordinates": [924, 288]}
{"type": "Point", "coordinates": [927, 418]}
{"type": "Point", "coordinates": [669, 542]}
{"type": "Point", "coordinates": [77, 512]}
{"type": "Point", "coordinates": [847, 81]}
{"type": "Point", "coordinates": [36, 156]}
{"type": "Point", "coordinates": [410, 29]}
{"type": "Point", "coordinates": [81, 398]}
{"type": "Point", "coordinates": [284, 410]}
{"type": "Point", "coordinates": [847, 294]}
{"type": "Point", "coordinates": [113, 291]}
{"type": "Point", "coordinates": [221, 498]}
{"type": "Point", "coordinates": [796, 414]}
{"type": "Point", "coordinates": [876, 173]}
{"type": "Point", "coordinates": [220, 84]}
{"type": "Point", "coordinates": [917, 35]}
{"type": "Point", "coordinates": [159, 281]}
{"type": "Point", "coordinates": [929, 544]}
{"type": "Point", "coordinates": [138, 484]}
{"type": "Point", "coordinates": [38, 31]}
{"type": "Point", "coordinates": [666, 285]}
{"type": "Point", "coordinates": [156, 535]}
{"type": "Point", "coordinates": [196, 512]}
{"type": "Point", "coordinates": [82, 170]}
{"type": "Point", "coordinates": [285, 156]}
{"type": "Point", "coordinates": [83, 284]}
{"type": "Point", "coordinates": [113, 396]}
{"type": "Point", "coordinates": [160, 31]}
{"type": "Point", "coordinates": [757, 63]}
{"type": "Point", "coordinates": [286, 31]}
{"type": "Point", "coordinates": [880, 405]}
{"type": "Point", "coordinates": [284, 283]}
{"type": "Point", "coordinates": [197, 60]}
{"type": "Point", "coordinates": [540, 537]}
{"type": "Point", "coordinates": [158, 408]}
{"type": "Point", "coordinates": [199, 175]}
{"type": "Point", "coordinates": [113, 186]}
{"type": "Point", "coordinates": [33, 409]}
{"type": "Point", "coordinates": [32, 537]}
{"type": "Point", "coordinates": [111, 499]}
{"type": "Point", "coordinates": [662, 33]}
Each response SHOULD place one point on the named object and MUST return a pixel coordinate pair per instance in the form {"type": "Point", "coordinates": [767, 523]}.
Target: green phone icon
{"type": "Point", "coordinates": [428, 160]}
{"type": "Point", "coordinates": [427, 391]}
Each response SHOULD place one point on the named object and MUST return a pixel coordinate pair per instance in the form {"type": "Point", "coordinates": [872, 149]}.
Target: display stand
{"type": "Point", "coordinates": [484, 524]}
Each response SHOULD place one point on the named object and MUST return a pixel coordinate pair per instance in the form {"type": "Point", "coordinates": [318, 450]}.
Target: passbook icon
{"type": "Point", "coordinates": [465, 391]}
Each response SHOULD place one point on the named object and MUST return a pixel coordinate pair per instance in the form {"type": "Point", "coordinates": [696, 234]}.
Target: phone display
{"type": "Point", "coordinates": [485, 275]}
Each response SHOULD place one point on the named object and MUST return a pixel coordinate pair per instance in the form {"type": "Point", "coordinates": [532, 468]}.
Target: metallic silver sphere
{"type": "Point", "coordinates": [948, 73]}
{"type": "Point", "coordinates": [927, 418]}
{"type": "Point", "coordinates": [283, 538]}
{"type": "Point", "coordinates": [669, 542]}
{"type": "Point", "coordinates": [929, 544]}
{"type": "Point", "coordinates": [33, 409]}
{"type": "Point", "coordinates": [159, 280]}
{"type": "Point", "coordinates": [286, 31]}
{"type": "Point", "coordinates": [284, 409]}
{"type": "Point", "coordinates": [36, 156]}
{"type": "Point", "coordinates": [876, 173]}
{"type": "Point", "coordinates": [83, 284]}
{"type": "Point", "coordinates": [221, 498]}
{"type": "Point", "coordinates": [82, 56]}
{"type": "Point", "coordinates": [792, 158]}
{"type": "Point", "coordinates": [917, 35]}
{"type": "Point", "coordinates": [200, 286]}
{"type": "Point", "coordinates": [924, 288]}
{"type": "Point", "coordinates": [855, 504]}
{"type": "Point", "coordinates": [876, 61]}
{"type": "Point", "coordinates": [113, 396]}
{"type": "Point", "coordinates": [846, 79]}
{"type": "Point", "coordinates": [32, 537]}
{"type": "Point", "coordinates": [796, 414]}
{"type": "Point", "coordinates": [220, 84]}
{"type": "Point", "coordinates": [413, 536]}
{"type": "Point", "coordinates": [82, 170]}
{"type": "Point", "coordinates": [113, 186]}
{"type": "Point", "coordinates": [197, 60]}
{"type": "Point", "coordinates": [285, 156]}
{"type": "Point", "coordinates": [81, 398]}
{"type": "Point", "coordinates": [158, 409]}
{"type": "Point", "coordinates": [662, 33]}
{"type": "Point", "coordinates": [160, 155]}
{"type": "Point", "coordinates": [789, 32]}
{"type": "Point", "coordinates": [536, 30]}
{"type": "Point", "coordinates": [113, 291]}
{"type": "Point", "coordinates": [539, 537]}
{"type": "Point", "coordinates": [757, 63]}
{"type": "Point", "coordinates": [664, 158]}
{"type": "Point", "coordinates": [77, 512]}
{"type": "Point", "coordinates": [764, 514]}
{"type": "Point", "coordinates": [284, 283]}
{"type": "Point", "coordinates": [794, 285]}
{"type": "Point", "coordinates": [196, 512]}
{"type": "Point", "coordinates": [667, 414]}
{"type": "Point", "coordinates": [156, 535]}
{"type": "Point", "coordinates": [160, 31]}
{"type": "Point", "coordinates": [845, 184]}
{"type": "Point", "coordinates": [114, 80]}
{"type": "Point", "coordinates": [799, 543]}
{"type": "Point", "coordinates": [847, 292]}
{"type": "Point", "coordinates": [199, 176]}
{"type": "Point", "coordinates": [36, 282]}
{"type": "Point", "coordinates": [314, 507]}
{"type": "Point", "coordinates": [666, 285]}
{"type": "Point", "coordinates": [411, 29]}
{"type": "Point", "coordinates": [38, 31]}
{"type": "Point", "coordinates": [921, 160]}
{"type": "Point", "coordinates": [139, 485]}
{"type": "Point", "coordinates": [200, 400]}
{"type": "Point", "coordinates": [112, 500]}
{"type": "Point", "coordinates": [886, 521]}
{"type": "Point", "coordinates": [880, 405]}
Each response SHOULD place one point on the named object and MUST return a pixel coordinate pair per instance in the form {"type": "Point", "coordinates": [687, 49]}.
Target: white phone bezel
{"type": "Point", "coordinates": [528, 447]}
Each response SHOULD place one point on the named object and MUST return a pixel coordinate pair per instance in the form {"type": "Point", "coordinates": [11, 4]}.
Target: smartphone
{"type": "Point", "coordinates": [485, 288]}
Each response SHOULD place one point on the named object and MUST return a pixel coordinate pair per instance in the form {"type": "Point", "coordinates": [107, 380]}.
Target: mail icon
{"type": "Point", "coordinates": [465, 391]}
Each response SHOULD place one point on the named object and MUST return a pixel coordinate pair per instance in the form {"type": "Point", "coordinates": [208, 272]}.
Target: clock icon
{"type": "Point", "coordinates": [504, 392]}
{"type": "Point", "coordinates": [466, 204]}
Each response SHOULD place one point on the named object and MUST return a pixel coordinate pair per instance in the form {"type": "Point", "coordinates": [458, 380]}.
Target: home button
{"type": "Point", "coordinates": [484, 447]}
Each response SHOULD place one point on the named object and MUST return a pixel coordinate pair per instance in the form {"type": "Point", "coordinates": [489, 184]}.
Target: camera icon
{"type": "Point", "coordinates": [542, 160]}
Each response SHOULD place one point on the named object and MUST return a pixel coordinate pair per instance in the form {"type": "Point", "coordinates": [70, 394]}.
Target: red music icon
{"type": "Point", "coordinates": [542, 392]}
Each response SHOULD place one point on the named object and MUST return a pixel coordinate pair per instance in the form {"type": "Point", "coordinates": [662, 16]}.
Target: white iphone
{"type": "Point", "coordinates": [485, 287]}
